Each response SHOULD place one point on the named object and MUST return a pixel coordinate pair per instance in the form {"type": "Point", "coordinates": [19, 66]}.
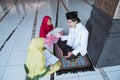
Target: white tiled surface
{"type": "Point", "coordinates": [19, 45]}
{"type": "Point", "coordinates": [8, 47]}
{"type": "Point", "coordinates": [114, 68]}
{"type": "Point", "coordinates": [92, 77]}
{"type": "Point", "coordinates": [17, 58]}
{"type": "Point", "coordinates": [14, 73]}
{"type": "Point", "coordinates": [2, 69]}
{"type": "Point", "coordinates": [115, 75]}
{"type": "Point", "coordinates": [13, 54]}
{"type": "Point", "coordinates": [66, 76]}
{"type": "Point", "coordinates": [4, 57]}
{"type": "Point", "coordinates": [45, 78]}
{"type": "Point", "coordinates": [88, 73]}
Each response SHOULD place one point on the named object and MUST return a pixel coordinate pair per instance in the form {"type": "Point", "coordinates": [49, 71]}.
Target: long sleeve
{"type": "Point", "coordinates": [78, 39]}
{"type": "Point", "coordinates": [82, 48]}
{"type": "Point", "coordinates": [43, 32]}
{"type": "Point", "coordinates": [63, 38]}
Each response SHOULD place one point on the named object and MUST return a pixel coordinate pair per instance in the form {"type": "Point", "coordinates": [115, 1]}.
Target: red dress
{"type": "Point", "coordinates": [45, 28]}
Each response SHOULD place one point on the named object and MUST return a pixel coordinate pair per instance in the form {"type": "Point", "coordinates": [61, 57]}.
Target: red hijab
{"type": "Point", "coordinates": [45, 28]}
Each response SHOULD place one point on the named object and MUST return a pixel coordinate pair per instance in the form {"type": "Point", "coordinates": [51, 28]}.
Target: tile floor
{"type": "Point", "coordinates": [16, 24]}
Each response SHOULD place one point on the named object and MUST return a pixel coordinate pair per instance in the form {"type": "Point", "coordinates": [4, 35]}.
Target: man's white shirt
{"type": "Point", "coordinates": [77, 39]}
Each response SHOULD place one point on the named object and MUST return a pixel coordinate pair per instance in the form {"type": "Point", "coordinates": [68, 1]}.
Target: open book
{"type": "Point", "coordinates": [50, 59]}
{"type": "Point", "coordinates": [56, 30]}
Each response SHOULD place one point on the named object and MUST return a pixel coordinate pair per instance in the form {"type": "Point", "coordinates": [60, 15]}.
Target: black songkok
{"type": "Point", "coordinates": [72, 15]}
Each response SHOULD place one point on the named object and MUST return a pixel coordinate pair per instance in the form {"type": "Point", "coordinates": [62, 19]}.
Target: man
{"type": "Point", "coordinates": [75, 43]}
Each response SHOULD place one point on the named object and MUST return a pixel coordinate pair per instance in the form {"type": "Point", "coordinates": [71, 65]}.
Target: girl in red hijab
{"type": "Point", "coordinates": [45, 27]}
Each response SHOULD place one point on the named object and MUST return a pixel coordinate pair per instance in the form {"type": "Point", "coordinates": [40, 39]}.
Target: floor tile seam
{"type": "Point", "coordinates": [87, 3]}
{"type": "Point", "coordinates": [6, 65]}
{"type": "Point", "coordinates": [9, 8]}
{"type": "Point", "coordinates": [78, 77]}
{"type": "Point", "coordinates": [66, 77]}
{"type": "Point", "coordinates": [5, 52]}
{"type": "Point", "coordinates": [11, 34]}
{"type": "Point", "coordinates": [103, 74]}
{"type": "Point", "coordinates": [35, 21]}
{"type": "Point", "coordinates": [3, 73]}
{"type": "Point", "coordinates": [18, 50]}
{"type": "Point", "coordinates": [112, 71]}
{"type": "Point", "coordinates": [9, 56]}
{"type": "Point", "coordinates": [88, 74]}
{"type": "Point", "coordinates": [11, 65]}
{"type": "Point", "coordinates": [24, 40]}
{"type": "Point", "coordinates": [6, 13]}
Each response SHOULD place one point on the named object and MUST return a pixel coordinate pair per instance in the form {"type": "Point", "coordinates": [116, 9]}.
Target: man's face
{"type": "Point", "coordinates": [71, 23]}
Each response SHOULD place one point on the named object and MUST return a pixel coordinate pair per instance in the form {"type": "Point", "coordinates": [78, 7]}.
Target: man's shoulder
{"type": "Point", "coordinates": [82, 27]}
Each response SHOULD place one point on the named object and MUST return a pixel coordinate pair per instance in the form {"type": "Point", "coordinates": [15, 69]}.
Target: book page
{"type": "Point", "coordinates": [55, 31]}
{"type": "Point", "coordinates": [50, 59]}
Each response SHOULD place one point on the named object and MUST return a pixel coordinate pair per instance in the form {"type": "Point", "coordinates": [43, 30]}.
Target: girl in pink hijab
{"type": "Point", "coordinates": [46, 26]}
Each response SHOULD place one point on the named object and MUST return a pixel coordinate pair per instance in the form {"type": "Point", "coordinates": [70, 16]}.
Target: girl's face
{"type": "Point", "coordinates": [49, 22]}
{"type": "Point", "coordinates": [71, 23]}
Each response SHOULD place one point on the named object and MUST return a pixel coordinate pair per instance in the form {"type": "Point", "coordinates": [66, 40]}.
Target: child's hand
{"type": "Point", "coordinates": [58, 35]}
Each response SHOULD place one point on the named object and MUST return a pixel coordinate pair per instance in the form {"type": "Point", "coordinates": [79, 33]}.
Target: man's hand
{"type": "Point", "coordinates": [69, 54]}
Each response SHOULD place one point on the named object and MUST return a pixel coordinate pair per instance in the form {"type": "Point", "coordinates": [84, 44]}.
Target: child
{"type": "Point", "coordinates": [46, 26]}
